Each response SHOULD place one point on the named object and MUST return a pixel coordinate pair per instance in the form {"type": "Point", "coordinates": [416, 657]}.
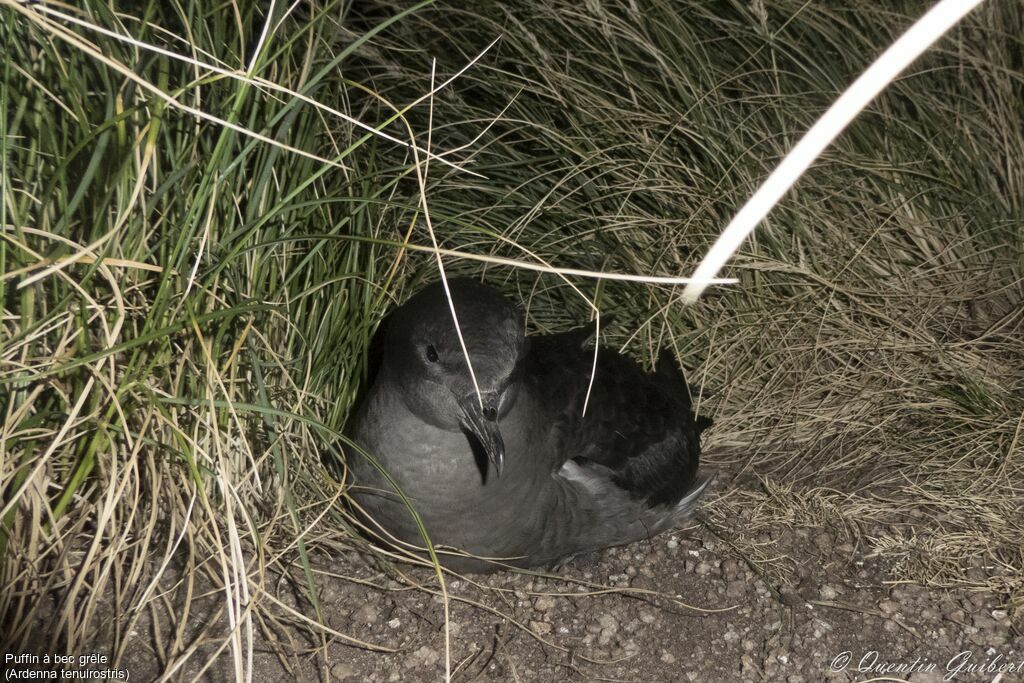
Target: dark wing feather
{"type": "Point", "coordinates": [639, 426]}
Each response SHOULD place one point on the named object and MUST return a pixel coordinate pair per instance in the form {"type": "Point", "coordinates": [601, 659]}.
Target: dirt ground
{"type": "Point", "coordinates": [612, 618]}
{"type": "Point", "coordinates": [834, 614]}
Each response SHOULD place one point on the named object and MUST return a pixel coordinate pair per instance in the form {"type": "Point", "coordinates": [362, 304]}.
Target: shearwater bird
{"type": "Point", "coordinates": [502, 462]}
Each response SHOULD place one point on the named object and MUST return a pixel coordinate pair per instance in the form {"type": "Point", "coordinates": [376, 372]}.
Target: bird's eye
{"type": "Point", "coordinates": [431, 353]}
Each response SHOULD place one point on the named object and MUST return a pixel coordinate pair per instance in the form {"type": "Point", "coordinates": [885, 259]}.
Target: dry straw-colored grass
{"type": "Point", "coordinates": [187, 304]}
{"type": "Point", "coordinates": [871, 358]}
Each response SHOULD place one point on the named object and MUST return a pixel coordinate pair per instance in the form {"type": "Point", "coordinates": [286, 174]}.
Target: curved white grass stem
{"type": "Point", "coordinates": [900, 54]}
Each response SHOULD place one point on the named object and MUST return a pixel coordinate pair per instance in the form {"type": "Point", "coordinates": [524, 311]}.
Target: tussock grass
{"type": "Point", "coordinates": [869, 365]}
{"type": "Point", "coordinates": [187, 303]}
{"type": "Point", "coordinates": [168, 284]}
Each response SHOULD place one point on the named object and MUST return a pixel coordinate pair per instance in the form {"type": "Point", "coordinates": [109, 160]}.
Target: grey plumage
{"type": "Point", "coordinates": [517, 472]}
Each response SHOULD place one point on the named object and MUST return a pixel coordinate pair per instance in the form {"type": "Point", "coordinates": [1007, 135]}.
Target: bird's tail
{"type": "Point", "coordinates": [688, 503]}
{"type": "Point", "coordinates": [682, 510]}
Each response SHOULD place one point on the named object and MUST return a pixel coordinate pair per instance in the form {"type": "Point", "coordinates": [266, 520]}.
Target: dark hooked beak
{"type": "Point", "coordinates": [482, 422]}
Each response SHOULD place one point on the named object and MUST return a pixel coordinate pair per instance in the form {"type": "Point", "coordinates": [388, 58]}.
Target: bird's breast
{"type": "Point", "coordinates": [453, 488]}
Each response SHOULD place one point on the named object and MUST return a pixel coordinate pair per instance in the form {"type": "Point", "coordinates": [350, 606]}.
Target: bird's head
{"type": "Point", "coordinates": [424, 356]}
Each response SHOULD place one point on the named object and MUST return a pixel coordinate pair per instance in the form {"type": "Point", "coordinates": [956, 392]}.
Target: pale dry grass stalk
{"type": "Point", "coordinates": [188, 298]}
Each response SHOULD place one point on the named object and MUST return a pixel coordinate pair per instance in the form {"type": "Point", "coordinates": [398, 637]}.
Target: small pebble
{"type": "Point", "coordinates": [343, 671]}
{"type": "Point", "coordinates": [544, 603]}
{"type": "Point", "coordinates": [747, 666]}
{"type": "Point", "coordinates": [425, 656]}
{"type": "Point", "coordinates": [888, 607]}
{"type": "Point", "coordinates": [367, 613]}
{"type": "Point", "coordinates": [729, 568]}
{"type": "Point", "coordinates": [540, 627]}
